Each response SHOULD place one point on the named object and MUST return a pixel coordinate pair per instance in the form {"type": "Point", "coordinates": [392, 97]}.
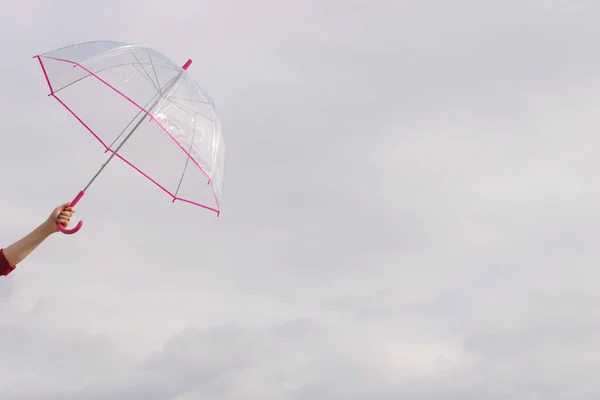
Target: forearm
{"type": "Point", "coordinates": [16, 252]}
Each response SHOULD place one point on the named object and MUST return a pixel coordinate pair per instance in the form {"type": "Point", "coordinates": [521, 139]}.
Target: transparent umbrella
{"type": "Point", "coordinates": [144, 110]}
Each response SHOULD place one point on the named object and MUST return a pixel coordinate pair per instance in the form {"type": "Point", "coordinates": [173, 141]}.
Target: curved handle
{"type": "Point", "coordinates": [62, 228]}
{"type": "Point", "coordinates": [70, 231]}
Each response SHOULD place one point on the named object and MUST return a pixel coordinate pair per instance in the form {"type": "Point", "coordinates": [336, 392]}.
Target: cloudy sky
{"type": "Point", "coordinates": [410, 207]}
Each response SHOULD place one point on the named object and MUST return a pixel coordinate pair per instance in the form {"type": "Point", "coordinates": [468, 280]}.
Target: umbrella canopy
{"type": "Point", "coordinates": [145, 110]}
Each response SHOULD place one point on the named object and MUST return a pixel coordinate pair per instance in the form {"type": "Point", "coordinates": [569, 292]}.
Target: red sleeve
{"type": "Point", "coordinates": [5, 267]}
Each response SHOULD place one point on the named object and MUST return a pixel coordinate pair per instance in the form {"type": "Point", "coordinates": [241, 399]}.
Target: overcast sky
{"type": "Point", "coordinates": [410, 207]}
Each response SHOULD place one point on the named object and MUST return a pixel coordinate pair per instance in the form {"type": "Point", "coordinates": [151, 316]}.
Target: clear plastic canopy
{"type": "Point", "coordinates": [150, 111]}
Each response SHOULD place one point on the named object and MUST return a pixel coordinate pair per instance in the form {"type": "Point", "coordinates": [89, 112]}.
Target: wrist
{"type": "Point", "coordinates": [46, 229]}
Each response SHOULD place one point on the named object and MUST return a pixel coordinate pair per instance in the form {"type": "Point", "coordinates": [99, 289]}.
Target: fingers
{"type": "Point", "coordinates": [64, 217]}
{"type": "Point", "coordinates": [63, 206]}
{"type": "Point", "coordinates": [66, 214]}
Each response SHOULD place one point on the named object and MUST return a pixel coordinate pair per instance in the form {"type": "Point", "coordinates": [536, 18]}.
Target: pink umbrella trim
{"type": "Point", "coordinates": [175, 198]}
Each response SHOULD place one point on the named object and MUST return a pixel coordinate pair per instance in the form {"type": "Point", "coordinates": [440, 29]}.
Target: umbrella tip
{"type": "Point", "coordinates": [187, 64]}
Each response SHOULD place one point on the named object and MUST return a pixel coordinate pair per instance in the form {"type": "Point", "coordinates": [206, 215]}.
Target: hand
{"type": "Point", "coordinates": [60, 215]}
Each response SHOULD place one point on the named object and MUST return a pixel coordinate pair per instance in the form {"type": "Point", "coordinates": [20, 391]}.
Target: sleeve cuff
{"type": "Point", "coordinates": [5, 267]}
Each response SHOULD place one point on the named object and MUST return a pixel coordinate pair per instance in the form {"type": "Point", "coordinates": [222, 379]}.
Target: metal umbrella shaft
{"type": "Point", "coordinates": [165, 92]}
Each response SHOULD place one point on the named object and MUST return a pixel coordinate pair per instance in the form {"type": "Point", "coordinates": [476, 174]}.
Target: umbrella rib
{"type": "Point", "coordinates": [144, 69]}
{"type": "Point", "coordinates": [147, 79]}
{"type": "Point", "coordinates": [187, 161]}
{"type": "Point", "coordinates": [105, 69]}
{"type": "Point", "coordinates": [187, 86]}
{"type": "Point", "coordinates": [184, 108]}
{"type": "Point", "coordinates": [193, 101]}
{"type": "Point", "coordinates": [153, 69]}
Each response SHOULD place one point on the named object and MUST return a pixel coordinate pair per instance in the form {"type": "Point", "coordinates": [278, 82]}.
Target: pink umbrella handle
{"type": "Point", "coordinates": [79, 224]}
{"type": "Point", "coordinates": [70, 231]}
